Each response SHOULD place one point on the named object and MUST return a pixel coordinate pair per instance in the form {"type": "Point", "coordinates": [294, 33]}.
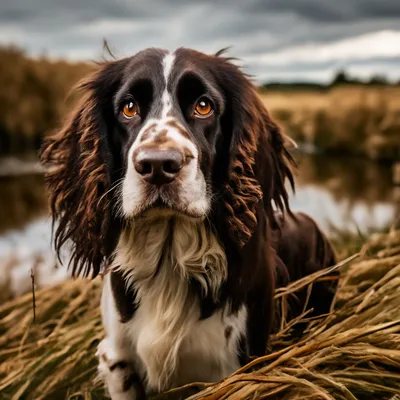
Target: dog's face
{"type": "Point", "coordinates": [167, 112]}
{"type": "Point", "coordinates": [161, 133]}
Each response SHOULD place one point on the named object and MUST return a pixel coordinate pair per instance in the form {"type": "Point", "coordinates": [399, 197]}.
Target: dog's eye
{"type": "Point", "coordinates": [203, 108]}
{"type": "Point", "coordinates": [130, 110]}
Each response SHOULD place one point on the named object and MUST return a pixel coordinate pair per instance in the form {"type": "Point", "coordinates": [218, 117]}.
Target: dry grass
{"type": "Point", "coordinates": [352, 353]}
{"type": "Point", "coordinates": [357, 119]}
{"type": "Point", "coordinates": [33, 97]}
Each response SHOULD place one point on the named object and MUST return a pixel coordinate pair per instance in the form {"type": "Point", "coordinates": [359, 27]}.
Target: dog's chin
{"type": "Point", "coordinates": [160, 209]}
{"type": "Point", "coordinates": [158, 212]}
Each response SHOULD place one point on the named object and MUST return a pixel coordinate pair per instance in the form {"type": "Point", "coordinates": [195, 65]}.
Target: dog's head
{"type": "Point", "coordinates": [162, 133]}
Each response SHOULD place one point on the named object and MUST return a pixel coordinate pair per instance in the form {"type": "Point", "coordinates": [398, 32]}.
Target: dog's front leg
{"type": "Point", "coordinates": [118, 375]}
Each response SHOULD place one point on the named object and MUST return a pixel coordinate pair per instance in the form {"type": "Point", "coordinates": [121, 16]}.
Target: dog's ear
{"type": "Point", "coordinates": [258, 162]}
{"type": "Point", "coordinates": [77, 163]}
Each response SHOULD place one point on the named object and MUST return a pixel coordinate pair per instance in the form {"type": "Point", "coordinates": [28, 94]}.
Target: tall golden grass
{"type": "Point", "coordinates": [349, 119]}
{"type": "Point", "coordinates": [33, 97]}
{"type": "Point", "coordinates": [351, 353]}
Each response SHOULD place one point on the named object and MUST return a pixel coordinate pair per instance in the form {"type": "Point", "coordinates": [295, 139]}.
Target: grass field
{"type": "Point", "coordinates": [352, 353]}
{"type": "Point", "coordinates": [349, 119]}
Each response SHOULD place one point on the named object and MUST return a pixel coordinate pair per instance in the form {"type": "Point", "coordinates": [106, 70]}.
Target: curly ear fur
{"type": "Point", "coordinates": [78, 180]}
{"type": "Point", "coordinates": [282, 163]}
{"type": "Point", "coordinates": [242, 191]}
{"type": "Point", "coordinates": [259, 162]}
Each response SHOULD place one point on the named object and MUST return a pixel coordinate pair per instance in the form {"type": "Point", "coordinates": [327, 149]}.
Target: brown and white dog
{"type": "Point", "coordinates": [169, 172]}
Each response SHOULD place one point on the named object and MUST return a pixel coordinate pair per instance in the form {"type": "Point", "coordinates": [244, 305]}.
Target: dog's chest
{"type": "Point", "coordinates": [195, 350]}
{"type": "Point", "coordinates": [176, 347]}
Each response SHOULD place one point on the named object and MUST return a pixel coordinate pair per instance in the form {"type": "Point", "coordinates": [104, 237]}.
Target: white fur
{"type": "Point", "coordinates": [192, 190]}
{"type": "Point", "coordinates": [165, 340]}
{"type": "Point", "coordinates": [168, 62]}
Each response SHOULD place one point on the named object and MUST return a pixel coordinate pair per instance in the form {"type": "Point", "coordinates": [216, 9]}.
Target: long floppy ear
{"type": "Point", "coordinates": [259, 163]}
{"type": "Point", "coordinates": [77, 161]}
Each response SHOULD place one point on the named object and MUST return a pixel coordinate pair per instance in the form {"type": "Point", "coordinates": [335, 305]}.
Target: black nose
{"type": "Point", "coordinates": [158, 166]}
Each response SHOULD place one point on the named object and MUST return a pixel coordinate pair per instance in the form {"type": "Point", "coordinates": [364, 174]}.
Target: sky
{"type": "Point", "coordinates": [275, 40]}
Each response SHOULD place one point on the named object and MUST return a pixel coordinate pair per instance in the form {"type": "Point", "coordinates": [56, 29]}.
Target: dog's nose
{"type": "Point", "coordinates": [158, 167]}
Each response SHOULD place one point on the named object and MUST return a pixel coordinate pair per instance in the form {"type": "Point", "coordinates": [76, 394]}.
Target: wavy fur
{"type": "Point", "coordinates": [78, 179]}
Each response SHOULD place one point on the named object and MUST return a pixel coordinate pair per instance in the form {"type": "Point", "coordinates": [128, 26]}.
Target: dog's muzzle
{"type": "Point", "coordinates": [164, 172]}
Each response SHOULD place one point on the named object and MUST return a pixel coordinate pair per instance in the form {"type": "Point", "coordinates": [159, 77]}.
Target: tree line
{"type": "Point", "coordinates": [340, 78]}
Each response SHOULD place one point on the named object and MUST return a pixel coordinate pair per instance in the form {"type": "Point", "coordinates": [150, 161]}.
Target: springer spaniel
{"type": "Point", "coordinates": [170, 173]}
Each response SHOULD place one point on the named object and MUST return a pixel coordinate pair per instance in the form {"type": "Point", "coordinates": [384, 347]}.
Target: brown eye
{"type": "Point", "coordinates": [130, 110]}
{"type": "Point", "coordinates": [203, 108]}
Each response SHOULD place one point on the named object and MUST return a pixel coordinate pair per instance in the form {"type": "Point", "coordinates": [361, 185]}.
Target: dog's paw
{"type": "Point", "coordinates": [108, 358]}
{"type": "Point", "coordinates": [118, 374]}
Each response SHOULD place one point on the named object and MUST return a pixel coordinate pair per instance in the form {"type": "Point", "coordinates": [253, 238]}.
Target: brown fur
{"type": "Point", "coordinates": [303, 249]}
{"type": "Point", "coordinates": [78, 179]}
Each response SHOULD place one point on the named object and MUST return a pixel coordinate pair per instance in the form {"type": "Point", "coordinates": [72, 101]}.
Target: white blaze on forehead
{"type": "Point", "coordinates": [168, 62]}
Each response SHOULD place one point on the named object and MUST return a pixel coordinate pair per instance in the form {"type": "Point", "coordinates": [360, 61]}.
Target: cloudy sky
{"type": "Point", "coordinates": [275, 39]}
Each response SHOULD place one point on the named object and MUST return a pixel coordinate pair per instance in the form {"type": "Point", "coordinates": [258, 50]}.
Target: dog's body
{"type": "Point", "coordinates": [168, 171]}
{"type": "Point", "coordinates": [165, 337]}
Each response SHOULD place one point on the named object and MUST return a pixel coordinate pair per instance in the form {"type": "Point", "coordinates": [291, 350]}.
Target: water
{"type": "Point", "coordinates": [346, 194]}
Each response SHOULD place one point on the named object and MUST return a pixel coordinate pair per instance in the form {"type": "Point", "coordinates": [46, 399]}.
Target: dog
{"type": "Point", "coordinates": [171, 173]}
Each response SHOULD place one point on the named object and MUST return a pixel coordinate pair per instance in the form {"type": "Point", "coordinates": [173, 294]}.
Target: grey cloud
{"type": "Point", "coordinates": [323, 11]}
{"type": "Point", "coordinates": [377, 9]}
{"type": "Point", "coordinates": [316, 10]}
{"type": "Point", "coordinates": [76, 28]}
{"type": "Point", "coordinates": [48, 11]}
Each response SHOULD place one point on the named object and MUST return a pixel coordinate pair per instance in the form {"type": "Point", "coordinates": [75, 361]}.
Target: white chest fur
{"type": "Point", "coordinates": [166, 340]}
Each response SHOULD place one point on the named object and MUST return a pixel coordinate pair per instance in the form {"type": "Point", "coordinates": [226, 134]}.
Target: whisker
{"type": "Point", "coordinates": [118, 182]}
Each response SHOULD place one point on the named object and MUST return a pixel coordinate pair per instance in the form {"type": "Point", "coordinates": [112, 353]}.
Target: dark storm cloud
{"type": "Point", "coordinates": [256, 29]}
{"type": "Point", "coordinates": [320, 11]}
{"type": "Point", "coordinates": [332, 10]}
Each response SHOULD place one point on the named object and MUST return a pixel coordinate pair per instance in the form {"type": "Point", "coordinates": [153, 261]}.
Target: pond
{"type": "Point", "coordinates": [340, 193]}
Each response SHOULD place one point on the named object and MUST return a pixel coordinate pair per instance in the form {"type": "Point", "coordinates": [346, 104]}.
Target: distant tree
{"type": "Point", "coordinates": [340, 78]}
{"type": "Point", "coordinates": [378, 79]}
